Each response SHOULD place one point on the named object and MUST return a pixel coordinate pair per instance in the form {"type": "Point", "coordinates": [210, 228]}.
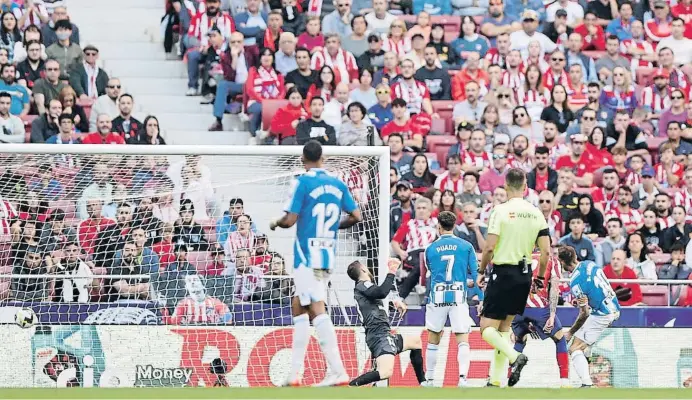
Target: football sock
{"type": "Point", "coordinates": [498, 368]}
{"type": "Point", "coordinates": [417, 362]}
{"type": "Point", "coordinates": [301, 338]}
{"type": "Point", "coordinates": [581, 365]}
{"type": "Point", "coordinates": [328, 343]}
{"type": "Point", "coordinates": [464, 358]}
{"type": "Point", "coordinates": [430, 361]}
{"type": "Point", "coordinates": [366, 378]}
{"type": "Point", "coordinates": [500, 341]}
{"type": "Point", "coordinates": [562, 358]}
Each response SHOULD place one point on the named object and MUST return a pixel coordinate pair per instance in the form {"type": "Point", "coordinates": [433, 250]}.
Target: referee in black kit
{"type": "Point", "coordinates": [514, 229]}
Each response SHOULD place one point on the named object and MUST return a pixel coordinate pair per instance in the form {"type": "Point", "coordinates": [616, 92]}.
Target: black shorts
{"type": "Point", "coordinates": [507, 291]}
{"type": "Point", "coordinates": [385, 343]}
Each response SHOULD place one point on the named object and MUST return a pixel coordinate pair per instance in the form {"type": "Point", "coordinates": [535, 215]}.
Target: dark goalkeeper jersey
{"type": "Point", "coordinates": [369, 297]}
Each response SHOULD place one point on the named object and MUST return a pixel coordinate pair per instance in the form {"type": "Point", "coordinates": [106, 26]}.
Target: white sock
{"type": "Point", "coordinates": [464, 358]}
{"type": "Point", "coordinates": [301, 338]}
{"type": "Point", "coordinates": [430, 361]}
{"type": "Point", "coordinates": [328, 343]}
{"type": "Point", "coordinates": [581, 365]}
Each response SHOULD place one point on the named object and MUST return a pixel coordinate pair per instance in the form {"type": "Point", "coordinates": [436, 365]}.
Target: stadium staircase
{"type": "Point", "coordinates": [128, 36]}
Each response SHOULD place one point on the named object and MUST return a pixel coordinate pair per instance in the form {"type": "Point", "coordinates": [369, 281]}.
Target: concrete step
{"type": "Point", "coordinates": [205, 137]}
{"type": "Point", "coordinates": [106, 31]}
{"type": "Point", "coordinates": [194, 122]}
{"type": "Point", "coordinates": [124, 4]}
{"type": "Point", "coordinates": [144, 51]}
{"type": "Point", "coordinates": [112, 12]}
{"type": "Point", "coordinates": [147, 69]}
{"type": "Point", "coordinates": [152, 86]}
{"type": "Point", "coordinates": [171, 103]}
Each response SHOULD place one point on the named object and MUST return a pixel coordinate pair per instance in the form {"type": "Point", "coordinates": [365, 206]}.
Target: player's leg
{"type": "Point", "coordinates": [581, 364]}
{"type": "Point", "coordinates": [585, 337]}
{"type": "Point", "coordinates": [324, 329]}
{"type": "Point", "coordinates": [460, 322]}
{"type": "Point", "coordinates": [385, 368]}
{"type": "Point", "coordinates": [435, 318]}
{"type": "Point", "coordinates": [521, 328]}
{"type": "Point", "coordinates": [413, 344]}
{"type": "Point", "coordinates": [301, 339]}
{"type": "Point", "coordinates": [561, 355]}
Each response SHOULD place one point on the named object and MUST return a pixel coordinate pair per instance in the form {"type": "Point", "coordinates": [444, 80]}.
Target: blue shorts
{"type": "Point", "coordinates": [536, 317]}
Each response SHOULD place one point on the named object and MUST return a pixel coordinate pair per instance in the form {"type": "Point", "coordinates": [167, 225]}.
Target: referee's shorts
{"type": "Point", "coordinates": [507, 291]}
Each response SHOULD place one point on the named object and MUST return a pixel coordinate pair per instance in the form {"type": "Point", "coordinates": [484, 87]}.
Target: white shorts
{"type": "Point", "coordinates": [594, 326]}
{"type": "Point", "coordinates": [435, 318]}
{"type": "Point", "coordinates": [311, 285]}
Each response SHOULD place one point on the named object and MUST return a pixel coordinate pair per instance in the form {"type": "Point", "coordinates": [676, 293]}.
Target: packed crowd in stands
{"type": "Point", "coordinates": [590, 98]}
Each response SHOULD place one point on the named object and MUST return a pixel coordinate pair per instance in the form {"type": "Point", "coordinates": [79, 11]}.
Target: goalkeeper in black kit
{"type": "Point", "coordinates": [383, 344]}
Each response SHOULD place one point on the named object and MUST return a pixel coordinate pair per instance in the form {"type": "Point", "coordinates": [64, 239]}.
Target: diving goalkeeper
{"type": "Point", "coordinates": [383, 344]}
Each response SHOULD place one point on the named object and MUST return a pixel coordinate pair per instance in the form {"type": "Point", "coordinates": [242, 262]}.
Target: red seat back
{"type": "Point", "coordinates": [655, 295]}
{"type": "Point", "coordinates": [644, 76]}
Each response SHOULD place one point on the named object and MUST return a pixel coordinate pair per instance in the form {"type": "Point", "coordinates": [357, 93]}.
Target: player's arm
{"type": "Point", "coordinates": [285, 221]}
{"type": "Point", "coordinates": [494, 225]}
{"type": "Point", "coordinates": [292, 210]}
{"type": "Point", "coordinates": [376, 292]}
{"type": "Point", "coordinates": [351, 207]}
{"type": "Point", "coordinates": [583, 315]}
{"type": "Point", "coordinates": [554, 294]}
{"type": "Point", "coordinates": [351, 219]}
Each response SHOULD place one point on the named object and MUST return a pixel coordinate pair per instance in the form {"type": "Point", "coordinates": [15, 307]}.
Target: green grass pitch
{"type": "Point", "coordinates": [343, 393]}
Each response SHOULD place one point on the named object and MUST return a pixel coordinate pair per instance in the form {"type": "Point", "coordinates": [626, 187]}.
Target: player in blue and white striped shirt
{"type": "Point", "coordinates": [316, 205]}
{"type": "Point", "coordinates": [590, 286]}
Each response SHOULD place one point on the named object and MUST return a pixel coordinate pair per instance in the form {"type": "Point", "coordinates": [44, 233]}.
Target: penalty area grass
{"type": "Point", "coordinates": [341, 393]}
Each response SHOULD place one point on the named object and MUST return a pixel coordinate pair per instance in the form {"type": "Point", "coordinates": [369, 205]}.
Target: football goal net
{"type": "Point", "coordinates": [155, 265]}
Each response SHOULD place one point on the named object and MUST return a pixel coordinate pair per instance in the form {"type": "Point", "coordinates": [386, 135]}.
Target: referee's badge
{"type": "Point", "coordinates": [494, 276]}
{"type": "Point", "coordinates": [584, 253]}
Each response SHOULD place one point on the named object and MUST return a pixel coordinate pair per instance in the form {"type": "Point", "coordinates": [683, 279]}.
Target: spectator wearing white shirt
{"type": "Point", "coordinates": [520, 39]}
{"type": "Point", "coordinates": [12, 127]}
{"type": "Point", "coordinates": [106, 104]}
{"type": "Point", "coordinates": [681, 46]}
{"type": "Point", "coordinates": [575, 12]}
{"type": "Point", "coordinates": [380, 19]}
{"type": "Point", "coordinates": [101, 188]}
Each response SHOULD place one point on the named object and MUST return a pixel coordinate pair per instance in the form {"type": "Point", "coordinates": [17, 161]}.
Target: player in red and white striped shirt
{"type": "Point", "coordinates": [630, 217]}
{"type": "Point", "coordinates": [637, 49]}
{"type": "Point", "coordinates": [411, 239]}
{"type": "Point", "coordinates": [668, 173]}
{"type": "Point", "coordinates": [498, 54]}
{"type": "Point", "coordinates": [604, 198]}
{"type": "Point", "coordinates": [540, 316]}
{"type": "Point", "coordinates": [453, 178]}
{"type": "Point", "coordinates": [198, 308]}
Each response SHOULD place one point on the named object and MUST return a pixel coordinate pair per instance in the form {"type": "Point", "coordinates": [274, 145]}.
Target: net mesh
{"type": "Point", "coordinates": [97, 243]}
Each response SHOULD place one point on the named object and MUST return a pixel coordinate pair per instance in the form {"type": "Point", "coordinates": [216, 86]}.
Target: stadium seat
{"type": "Point", "coordinates": [438, 126]}
{"type": "Point", "coordinates": [451, 35]}
{"type": "Point", "coordinates": [660, 258]}
{"type": "Point", "coordinates": [269, 108]}
{"type": "Point", "coordinates": [644, 76]}
{"type": "Point", "coordinates": [451, 23]}
{"type": "Point", "coordinates": [654, 295]}
{"type": "Point", "coordinates": [441, 150]}
{"type": "Point", "coordinates": [409, 19]}
{"type": "Point", "coordinates": [433, 141]}
{"type": "Point", "coordinates": [198, 259]}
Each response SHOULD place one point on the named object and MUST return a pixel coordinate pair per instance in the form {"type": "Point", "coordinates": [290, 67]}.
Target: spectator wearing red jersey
{"type": "Point", "coordinates": [542, 177]}
{"type": "Point", "coordinates": [286, 119]}
{"type": "Point", "coordinates": [475, 158]}
{"type": "Point", "coordinates": [403, 125]}
{"type": "Point", "coordinates": [217, 264]}
{"type": "Point", "coordinates": [596, 153]}
{"type": "Point", "coordinates": [577, 90]}
{"type": "Point", "coordinates": [656, 98]}
{"type": "Point", "coordinates": [312, 39]}
{"type": "Point", "coordinates": [682, 10]}
{"type": "Point", "coordinates": [33, 207]}
{"type": "Point", "coordinates": [410, 241]}
{"type": "Point", "coordinates": [197, 39]}
{"type": "Point", "coordinates": [556, 74]}
{"type": "Point", "coordinates": [619, 159]}
{"type": "Point", "coordinates": [89, 229]}
{"type": "Point", "coordinates": [577, 162]}
{"type": "Point", "coordinates": [261, 255]}
{"type": "Point", "coordinates": [659, 26]}
{"type": "Point", "coordinates": [415, 93]}
{"type": "Point", "coordinates": [666, 60]}
{"type": "Point", "coordinates": [532, 94]}
{"type": "Point", "coordinates": [556, 225]}
{"type": "Point", "coordinates": [679, 232]}
{"type": "Point", "coordinates": [341, 61]}
{"type": "Point", "coordinates": [617, 269]}
{"type": "Point", "coordinates": [452, 179]}
{"type": "Point", "coordinates": [630, 217]}
{"type": "Point", "coordinates": [420, 176]}
{"type": "Point", "coordinates": [263, 83]}
{"type": "Point", "coordinates": [104, 134]}
{"type": "Point", "coordinates": [7, 215]}
{"type": "Point", "coordinates": [470, 73]}
{"type": "Point", "coordinates": [638, 257]}
{"type": "Point", "coordinates": [495, 176]}
{"type": "Point", "coordinates": [605, 196]}
{"type": "Point", "coordinates": [637, 49]}
{"type": "Point", "coordinates": [592, 36]}
{"type": "Point", "coordinates": [164, 248]}
{"type": "Point", "coordinates": [269, 38]}
{"type": "Point", "coordinates": [668, 173]}
{"type": "Point", "coordinates": [448, 202]}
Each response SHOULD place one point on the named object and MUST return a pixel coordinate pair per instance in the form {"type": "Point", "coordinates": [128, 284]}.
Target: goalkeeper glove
{"type": "Point", "coordinates": [623, 293]}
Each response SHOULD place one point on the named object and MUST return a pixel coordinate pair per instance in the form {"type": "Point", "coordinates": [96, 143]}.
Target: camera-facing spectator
{"type": "Point", "coordinates": [278, 285]}
{"type": "Point", "coordinates": [638, 257]}
{"type": "Point", "coordinates": [12, 127]}
{"type": "Point", "coordinates": [48, 30]}
{"type": "Point", "coordinates": [315, 128]}
{"type": "Point", "coordinates": [125, 124]}
{"type": "Point", "coordinates": [30, 289]}
{"type": "Point", "coordinates": [470, 193]}
{"type": "Point", "coordinates": [109, 241]}
{"type": "Point", "coordinates": [165, 248]}
{"type": "Point", "coordinates": [33, 207]}
{"type": "Point", "coordinates": [242, 238]}
{"type": "Point", "coordinates": [593, 219]}
{"type": "Point", "coordinates": [22, 50]}
{"type": "Point", "coordinates": [198, 307]}
{"type": "Point", "coordinates": [358, 130]}
{"type": "Point", "coordinates": [229, 222]}
{"type": "Point", "coordinates": [249, 280]}
{"type": "Point", "coordinates": [677, 268]}
{"type": "Point", "coordinates": [128, 264]}
{"type": "Point", "coordinates": [47, 125]}
{"type": "Point", "coordinates": [577, 240]}
{"type": "Point", "coordinates": [48, 88]}
{"type": "Point", "coordinates": [218, 262]}
{"type": "Point", "coordinates": [149, 133]}
{"type": "Point", "coordinates": [470, 229]}
{"type": "Point", "coordinates": [187, 231]}
{"type": "Point", "coordinates": [680, 232]}
{"type": "Point", "coordinates": [144, 218]}
{"type": "Point", "coordinates": [56, 234]}
{"type": "Point", "coordinates": [89, 229]}
{"type": "Point", "coordinates": [105, 104]}
{"type": "Point", "coordinates": [24, 236]}
{"type": "Point", "coordinates": [286, 119]}
{"type": "Point", "coordinates": [33, 67]}
{"type": "Point", "coordinates": [181, 263]}
{"type": "Point", "coordinates": [312, 39]}
{"type": "Point", "coordinates": [66, 132]}
{"type": "Point", "coordinates": [614, 241]}
{"type": "Point", "coordinates": [420, 176]}
{"type": "Point", "coordinates": [618, 269]}
{"type": "Point", "coordinates": [101, 188]}
{"type": "Point", "coordinates": [261, 255]}
{"type": "Point", "coordinates": [45, 185]}
{"type": "Point", "coordinates": [68, 99]}
{"type": "Point", "coordinates": [68, 54]}
{"type": "Point", "coordinates": [19, 95]}
{"type": "Point", "coordinates": [651, 231]}
{"type": "Point", "coordinates": [104, 133]}
{"type": "Point", "coordinates": [78, 281]}
{"type": "Point", "coordinates": [87, 79]}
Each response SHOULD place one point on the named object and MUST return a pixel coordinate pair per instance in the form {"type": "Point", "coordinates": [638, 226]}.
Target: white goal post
{"type": "Point", "coordinates": [96, 237]}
